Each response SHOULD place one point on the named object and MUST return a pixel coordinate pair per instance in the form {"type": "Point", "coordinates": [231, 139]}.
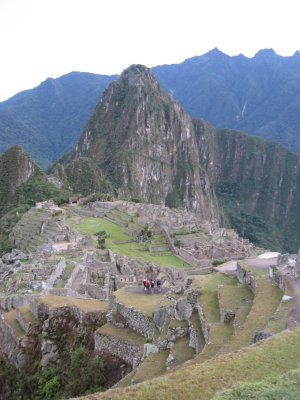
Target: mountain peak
{"type": "Point", "coordinates": [137, 75]}
{"type": "Point", "coordinates": [266, 54]}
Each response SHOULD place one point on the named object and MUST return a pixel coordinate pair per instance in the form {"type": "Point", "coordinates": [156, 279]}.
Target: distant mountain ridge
{"type": "Point", "coordinates": [259, 96]}
{"type": "Point", "coordinates": [47, 120]}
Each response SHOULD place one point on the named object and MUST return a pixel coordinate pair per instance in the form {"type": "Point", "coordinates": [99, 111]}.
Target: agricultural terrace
{"type": "Point", "coordinates": [122, 243]}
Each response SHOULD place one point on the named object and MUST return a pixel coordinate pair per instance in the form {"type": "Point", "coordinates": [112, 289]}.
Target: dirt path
{"type": "Point", "coordinates": [257, 262]}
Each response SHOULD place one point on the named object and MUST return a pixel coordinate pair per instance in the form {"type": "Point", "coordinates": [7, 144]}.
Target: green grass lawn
{"type": "Point", "coordinates": [282, 387]}
{"type": "Point", "coordinates": [89, 226]}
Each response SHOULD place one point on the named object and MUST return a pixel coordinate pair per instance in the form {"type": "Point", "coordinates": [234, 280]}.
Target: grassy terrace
{"type": "Point", "coordinates": [182, 352]}
{"type": "Point", "coordinates": [286, 387]}
{"type": "Point", "coordinates": [239, 298]}
{"type": "Point", "coordinates": [267, 299]}
{"type": "Point", "coordinates": [126, 334]}
{"type": "Point", "coordinates": [83, 304]}
{"type": "Point", "coordinates": [219, 333]}
{"type": "Point", "coordinates": [153, 366]}
{"type": "Point", "coordinates": [89, 226]}
{"type": "Point", "coordinates": [277, 322]}
{"type": "Point", "coordinates": [26, 313]}
{"type": "Point", "coordinates": [233, 297]}
{"type": "Point", "coordinates": [143, 302]}
{"type": "Point", "coordinates": [269, 358]}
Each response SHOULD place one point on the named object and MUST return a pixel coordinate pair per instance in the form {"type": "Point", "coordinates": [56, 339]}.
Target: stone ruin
{"type": "Point", "coordinates": [290, 263]}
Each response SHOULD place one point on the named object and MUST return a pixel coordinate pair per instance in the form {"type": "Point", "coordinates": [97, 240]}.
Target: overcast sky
{"type": "Point", "coordinates": [49, 38]}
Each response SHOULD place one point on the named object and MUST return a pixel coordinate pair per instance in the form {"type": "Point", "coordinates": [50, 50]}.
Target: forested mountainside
{"type": "Point", "coordinates": [257, 184]}
{"type": "Point", "coordinates": [47, 120]}
{"type": "Point", "coordinates": [259, 95]}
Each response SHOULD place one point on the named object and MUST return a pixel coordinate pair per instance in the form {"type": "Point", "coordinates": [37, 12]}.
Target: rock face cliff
{"type": "Point", "coordinates": [257, 185]}
{"type": "Point", "coordinates": [145, 145]}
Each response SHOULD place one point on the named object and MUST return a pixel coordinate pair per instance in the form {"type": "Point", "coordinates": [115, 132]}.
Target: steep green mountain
{"type": "Point", "coordinates": [47, 120]}
{"type": "Point", "coordinates": [139, 143]}
{"type": "Point", "coordinates": [259, 95]}
{"type": "Point", "coordinates": [144, 145]}
{"type": "Point", "coordinates": [257, 184]}
{"type": "Point", "coordinates": [22, 184]}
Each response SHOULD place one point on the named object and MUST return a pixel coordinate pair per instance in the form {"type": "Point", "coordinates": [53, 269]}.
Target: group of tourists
{"type": "Point", "coordinates": [150, 284]}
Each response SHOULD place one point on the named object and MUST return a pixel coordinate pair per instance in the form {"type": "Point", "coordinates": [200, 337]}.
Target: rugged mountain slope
{"type": "Point", "coordinates": [145, 145]}
{"type": "Point", "coordinates": [141, 144]}
{"type": "Point", "coordinates": [22, 184]}
{"type": "Point", "coordinates": [259, 95]}
{"type": "Point", "coordinates": [48, 119]}
{"type": "Point", "coordinates": [257, 184]}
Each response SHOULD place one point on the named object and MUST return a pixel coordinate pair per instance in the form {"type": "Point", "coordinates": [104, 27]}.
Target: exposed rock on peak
{"type": "Point", "coordinates": [145, 145]}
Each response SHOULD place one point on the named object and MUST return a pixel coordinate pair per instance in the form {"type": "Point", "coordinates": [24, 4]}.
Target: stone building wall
{"type": "Point", "coordinates": [246, 276]}
{"type": "Point", "coordinates": [128, 352]}
{"type": "Point", "coordinates": [204, 323]}
{"type": "Point", "coordinates": [8, 303]}
{"type": "Point", "coordinates": [135, 319]}
{"type": "Point", "coordinates": [276, 276]}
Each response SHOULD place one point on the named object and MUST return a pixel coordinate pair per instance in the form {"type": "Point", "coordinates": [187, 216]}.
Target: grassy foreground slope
{"type": "Point", "coordinates": [268, 358]}
{"type": "Point", "coordinates": [285, 387]}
